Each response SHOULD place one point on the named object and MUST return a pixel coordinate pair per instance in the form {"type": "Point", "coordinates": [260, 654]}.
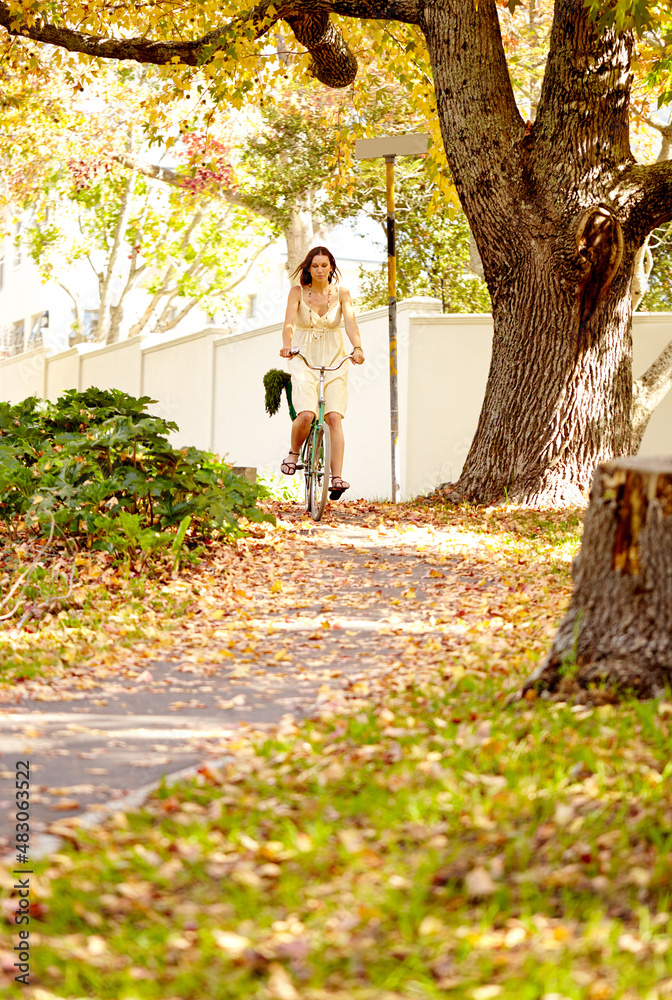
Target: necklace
{"type": "Point", "coordinates": [313, 335]}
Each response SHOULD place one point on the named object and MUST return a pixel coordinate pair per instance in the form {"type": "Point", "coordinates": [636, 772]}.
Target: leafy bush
{"type": "Point", "coordinates": [97, 465]}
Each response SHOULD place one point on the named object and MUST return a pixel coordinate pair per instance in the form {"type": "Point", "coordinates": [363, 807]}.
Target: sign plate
{"type": "Point", "coordinates": [410, 144]}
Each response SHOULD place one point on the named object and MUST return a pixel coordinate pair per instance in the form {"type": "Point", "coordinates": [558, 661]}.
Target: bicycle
{"type": "Point", "coordinates": [315, 459]}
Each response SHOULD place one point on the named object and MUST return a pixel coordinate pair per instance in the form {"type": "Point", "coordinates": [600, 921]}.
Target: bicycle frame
{"type": "Point", "coordinates": [316, 450]}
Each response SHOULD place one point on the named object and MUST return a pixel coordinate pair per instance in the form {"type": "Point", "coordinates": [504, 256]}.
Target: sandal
{"type": "Point", "coordinates": [289, 468]}
{"type": "Point", "coordinates": [338, 487]}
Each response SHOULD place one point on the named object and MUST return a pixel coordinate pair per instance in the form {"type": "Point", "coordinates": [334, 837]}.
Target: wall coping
{"type": "Point", "coordinates": [70, 353]}
{"type": "Point", "coordinates": [35, 353]}
{"type": "Point", "coordinates": [186, 338]}
{"type": "Point", "coordinates": [472, 319]}
{"type": "Point", "coordinates": [409, 306]}
{"type": "Point", "coordinates": [444, 319]}
{"type": "Point", "coordinates": [92, 349]}
{"type": "Point", "coordinates": [652, 317]}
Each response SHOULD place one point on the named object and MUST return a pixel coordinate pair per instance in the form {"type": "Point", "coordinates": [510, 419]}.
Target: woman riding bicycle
{"type": "Point", "coordinates": [315, 309]}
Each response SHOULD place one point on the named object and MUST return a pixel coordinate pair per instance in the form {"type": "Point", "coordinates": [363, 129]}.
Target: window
{"type": "Point", "coordinates": [16, 344]}
{"type": "Point", "coordinates": [84, 327]}
{"type": "Point", "coordinates": [2, 273]}
{"type": "Point", "coordinates": [38, 323]}
{"type": "Point", "coordinates": [90, 324]}
{"type": "Point", "coordinates": [251, 306]}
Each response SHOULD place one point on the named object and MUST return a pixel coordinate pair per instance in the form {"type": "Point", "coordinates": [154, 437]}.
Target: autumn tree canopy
{"type": "Point", "coordinates": [557, 203]}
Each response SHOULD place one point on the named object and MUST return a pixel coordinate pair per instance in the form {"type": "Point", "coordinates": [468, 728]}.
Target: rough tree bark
{"type": "Point", "coordinates": [555, 256]}
{"type": "Point", "coordinates": [618, 629]}
{"type": "Point", "coordinates": [558, 208]}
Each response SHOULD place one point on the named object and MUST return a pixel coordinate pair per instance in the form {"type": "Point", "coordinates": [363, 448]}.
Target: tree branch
{"type": "Point", "coordinates": [643, 263]}
{"type": "Point", "coordinates": [647, 191]}
{"type": "Point", "coordinates": [164, 325]}
{"type": "Point", "coordinates": [648, 391]}
{"type": "Point", "coordinates": [333, 62]}
{"type": "Point", "coordinates": [194, 52]}
{"type": "Point", "coordinates": [481, 125]}
{"type": "Point", "coordinates": [167, 175]}
{"type": "Point", "coordinates": [142, 321]}
{"type": "Point", "coordinates": [251, 262]}
{"type": "Point", "coordinates": [584, 95]}
{"type": "Point", "coordinates": [641, 269]}
{"type": "Point", "coordinates": [105, 308]}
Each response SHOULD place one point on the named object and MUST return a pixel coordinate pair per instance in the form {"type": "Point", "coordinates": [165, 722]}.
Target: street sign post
{"type": "Point", "coordinates": [389, 147]}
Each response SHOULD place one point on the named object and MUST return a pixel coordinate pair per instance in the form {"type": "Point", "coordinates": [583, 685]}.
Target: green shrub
{"type": "Point", "coordinates": [98, 466]}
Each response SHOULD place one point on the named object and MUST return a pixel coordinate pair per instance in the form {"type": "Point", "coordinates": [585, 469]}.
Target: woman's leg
{"type": "Point", "coordinates": [334, 420]}
{"type": "Point", "coordinates": [300, 428]}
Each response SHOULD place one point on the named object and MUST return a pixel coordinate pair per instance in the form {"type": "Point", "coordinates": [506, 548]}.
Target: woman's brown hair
{"type": "Point", "coordinates": [304, 267]}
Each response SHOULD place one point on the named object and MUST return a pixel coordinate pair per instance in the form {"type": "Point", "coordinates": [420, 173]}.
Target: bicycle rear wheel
{"type": "Point", "coordinates": [321, 465]}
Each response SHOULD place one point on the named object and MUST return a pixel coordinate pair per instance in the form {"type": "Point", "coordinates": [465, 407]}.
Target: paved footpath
{"type": "Point", "coordinates": [88, 758]}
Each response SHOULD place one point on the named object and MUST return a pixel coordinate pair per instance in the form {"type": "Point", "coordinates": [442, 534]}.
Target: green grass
{"type": "Point", "coordinates": [450, 844]}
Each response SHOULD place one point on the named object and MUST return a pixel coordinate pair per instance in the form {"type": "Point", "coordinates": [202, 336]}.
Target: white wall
{"type": "Point", "coordinates": [118, 366]}
{"type": "Point", "coordinates": [652, 332]}
{"type": "Point", "coordinates": [24, 375]}
{"type": "Point", "coordinates": [447, 372]}
{"type": "Point", "coordinates": [180, 373]}
{"type": "Point", "coordinates": [62, 373]}
{"type": "Point", "coordinates": [210, 384]}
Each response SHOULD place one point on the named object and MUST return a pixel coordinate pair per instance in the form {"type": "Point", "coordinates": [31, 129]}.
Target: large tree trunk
{"type": "Point", "coordinates": [618, 629]}
{"type": "Point", "coordinates": [559, 391]}
{"type": "Point", "coordinates": [109, 317]}
{"type": "Point", "coordinates": [301, 234]}
{"type": "Point", "coordinates": [556, 253]}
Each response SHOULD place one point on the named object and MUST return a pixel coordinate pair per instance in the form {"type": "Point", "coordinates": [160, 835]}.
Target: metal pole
{"type": "Point", "coordinates": [392, 306]}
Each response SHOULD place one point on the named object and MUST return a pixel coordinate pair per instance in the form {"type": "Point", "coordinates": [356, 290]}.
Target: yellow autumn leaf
{"type": "Point", "coordinates": [230, 943]}
{"type": "Point", "coordinates": [430, 925]}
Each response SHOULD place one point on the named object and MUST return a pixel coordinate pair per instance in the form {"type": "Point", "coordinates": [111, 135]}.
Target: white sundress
{"type": "Point", "coordinates": [323, 345]}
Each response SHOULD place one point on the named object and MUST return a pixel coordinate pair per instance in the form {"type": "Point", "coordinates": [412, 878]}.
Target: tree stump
{"type": "Point", "coordinates": [617, 632]}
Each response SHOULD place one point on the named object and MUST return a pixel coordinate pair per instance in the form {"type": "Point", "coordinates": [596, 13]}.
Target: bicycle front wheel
{"type": "Point", "coordinates": [307, 460]}
{"type": "Point", "coordinates": [321, 465]}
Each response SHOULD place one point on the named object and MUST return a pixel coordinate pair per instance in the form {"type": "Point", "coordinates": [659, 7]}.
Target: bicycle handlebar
{"type": "Point", "coordinates": [318, 368]}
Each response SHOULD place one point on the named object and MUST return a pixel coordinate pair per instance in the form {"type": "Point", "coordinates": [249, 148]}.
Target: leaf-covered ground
{"type": "Point", "coordinates": [422, 835]}
{"type": "Point", "coordinates": [146, 674]}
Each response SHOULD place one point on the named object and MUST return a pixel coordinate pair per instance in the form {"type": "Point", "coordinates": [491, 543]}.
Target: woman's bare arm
{"type": "Point", "coordinates": [293, 301]}
{"type": "Point", "coordinates": [351, 328]}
